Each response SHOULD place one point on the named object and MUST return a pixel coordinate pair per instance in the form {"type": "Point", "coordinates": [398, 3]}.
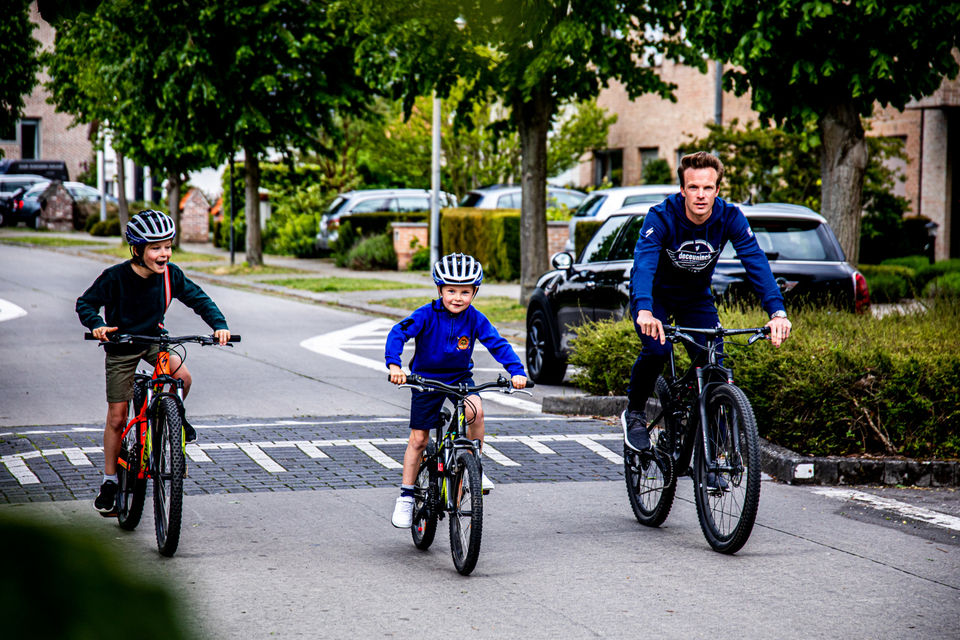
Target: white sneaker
{"type": "Point", "coordinates": [486, 484]}
{"type": "Point", "coordinates": [403, 513]}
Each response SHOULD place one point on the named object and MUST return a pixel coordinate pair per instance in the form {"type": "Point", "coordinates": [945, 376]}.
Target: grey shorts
{"type": "Point", "coordinates": [120, 371]}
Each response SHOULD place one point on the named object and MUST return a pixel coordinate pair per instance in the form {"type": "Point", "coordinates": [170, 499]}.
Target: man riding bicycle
{"type": "Point", "coordinates": [673, 263]}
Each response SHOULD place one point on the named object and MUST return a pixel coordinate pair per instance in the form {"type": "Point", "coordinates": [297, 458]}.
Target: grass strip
{"type": "Point", "coordinates": [336, 284]}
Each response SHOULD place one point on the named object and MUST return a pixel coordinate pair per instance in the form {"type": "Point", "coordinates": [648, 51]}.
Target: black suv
{"type": "Point", "coordinates": [804, 255]}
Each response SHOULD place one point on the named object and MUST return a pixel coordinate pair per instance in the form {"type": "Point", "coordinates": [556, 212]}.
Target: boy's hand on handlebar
{"type": "Point", "coordinates": [100, 333]}
{"type": "Point", "coordinates": [397, 376]}
{"type": "Point", "coordinates": [779, 330]}
{"type": "Point", "coordinates": [519, 382]}
{"type": "Point", "coordinates": [222, 336]}
{"type": "Point", "coordinates": [650, 326]}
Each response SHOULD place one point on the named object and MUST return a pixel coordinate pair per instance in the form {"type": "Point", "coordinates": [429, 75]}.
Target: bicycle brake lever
{"type": "Point", "coordinates": [509, 391]}
{"type": "Point", "coordinates": [757, 336]}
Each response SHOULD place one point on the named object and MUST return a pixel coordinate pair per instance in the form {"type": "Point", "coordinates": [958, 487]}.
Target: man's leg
{"type": "Point", "coordinates": [643, 377]}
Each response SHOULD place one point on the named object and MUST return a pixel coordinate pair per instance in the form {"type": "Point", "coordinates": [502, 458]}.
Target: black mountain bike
{"type": "Point", "coordinates": [152, 444]}
{"type": "Point", "coordinates": [449, 476]}
{"type": "Point", "coordinates": [702, 416]}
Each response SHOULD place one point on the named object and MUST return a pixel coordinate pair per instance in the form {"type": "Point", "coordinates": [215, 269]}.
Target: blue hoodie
{"type": "Point", "coordinates": [675, 258]}
{"type": "Point", "coordinates": [444, 342]}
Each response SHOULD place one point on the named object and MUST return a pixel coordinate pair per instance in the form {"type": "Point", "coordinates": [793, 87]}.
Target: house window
{"type": "Point", "coordinates": [29, 139]}
{"type": "Point", "coordinates": [608, 167]}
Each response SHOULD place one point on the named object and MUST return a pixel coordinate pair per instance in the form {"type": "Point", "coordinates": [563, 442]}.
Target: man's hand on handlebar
{"type": "Point", "coordinates": [650, 326]}
{"type": "Point", "coordinates": [397, 376]}
{"type": "Point", "coordinates": [779, 330]}
{"type": "Point", "coordinates": [100, 333]}
{"type": "Point", "coordinates": [519, 382]}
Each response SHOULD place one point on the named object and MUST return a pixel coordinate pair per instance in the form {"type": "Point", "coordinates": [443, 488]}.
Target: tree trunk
{"type": "Point", "coordinates": [534, 123]}
{"type": "Point", "coordinates": [252, 209]}
{"type": "Point", "coordinates": [173, 203]}
{"type": "Point", "coordinates": [843, 163]}
{"type": "Point", "coordinates": [123, 209]}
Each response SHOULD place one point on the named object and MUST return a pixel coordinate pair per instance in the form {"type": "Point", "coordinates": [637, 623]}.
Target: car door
{"type": "Point", "coordinates": [611, 296]}
{"type": "Point", "coordinates": [574, 300]}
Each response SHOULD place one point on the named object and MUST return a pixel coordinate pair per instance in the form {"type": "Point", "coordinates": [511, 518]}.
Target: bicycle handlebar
{"type": "Point", "coordinates": [125, 338]}
{"type": "Point", "coordinates": [502, 383]}
{"type": "Point", "coordinates": [674, 333]}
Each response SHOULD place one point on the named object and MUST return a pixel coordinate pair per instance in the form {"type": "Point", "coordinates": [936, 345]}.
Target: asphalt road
{"type": "Point", "coordinates": [286, 523]}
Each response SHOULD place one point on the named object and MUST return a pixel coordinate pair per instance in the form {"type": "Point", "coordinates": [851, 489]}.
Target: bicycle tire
{"type": "Point", "coordinates": [652, 482]}
{"type": "Point", "coordinates": [425, 505]}
{"type": "Point", "coordinates": [132, 491]}
{"type": "Point", "coordinates": [466, 519]}
{"type": "Point", "coordinates": [727, 503]}
{"type": "Point", "coordinates": [168, 476]}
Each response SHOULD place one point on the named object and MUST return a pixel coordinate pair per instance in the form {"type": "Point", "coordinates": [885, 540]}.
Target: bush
{"type": "Point", "coordinates": [843, 384]}
{"type": "Point", "coordinates": [947, 285]}
{"type": "Point", "coordinates": [420, 260]}
{"type": "Point", "coordinates": [108, 227]}
{"type": "Point", "coordinates": [930, 271]}
{"type": "Point", "coordinates": [347, 238]}
{"type": "Point", "coordinates": [889, 282]}
{"type": "Point", "coordinates": [374, 252]}
{"type": "Point", "coordinates": [915, 263]}
{"type": "Point", "coordinates": [657, 172]}
{"type": "Point", "coordinates": [583, 231]}
{"type": "Point", "coordinates": [492, 237]}
{"type": "Point", "coordinates": [292, 227]}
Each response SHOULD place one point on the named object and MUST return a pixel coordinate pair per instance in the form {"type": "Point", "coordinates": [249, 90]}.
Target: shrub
{"type": "Point", "coordinates": [889, 282]}
{"type": "Point", "coordinates": [947, 285]}
{"type": "Point", "coordinates": [420, 260]}
{"type": "Point", "coordinates": [347, 238]}
{"type": "Point", "coordinates": [374, 252]}
{"type": "Point", "coordinates": [108, 227]}
{"type": "Point", "coordinates": [657, 172]}
{"type": "Point", "coordinates": [843, 384]}
{"type": "Point", "coordinates": [916, 263]}
{"type": "Point", "coordinates": [930, 271]}
{"type": "Point", "coordinates": [292, 228]}
{"type": "Point", "coordinates": [492, 237]}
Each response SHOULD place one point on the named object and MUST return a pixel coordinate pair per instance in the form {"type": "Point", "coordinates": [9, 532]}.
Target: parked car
{"type": "Point", "coordinates": [371, 200]}
{"type": "Point", "coordinates": [27, 207]}
{"type": "Point", "coordinates": [49, 169]}
{"type": "Point", "coordinates": [804, 254]}
{"type": "Point", "coordinates": [11, 187]}
{"type": "Point", "coordinates": [603, 203]}
{"type": "Point", "coordinates": [507, 196]}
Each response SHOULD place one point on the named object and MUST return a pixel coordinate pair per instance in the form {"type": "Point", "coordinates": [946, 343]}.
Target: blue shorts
{"type": "Point", "coordinates": [425, 407]}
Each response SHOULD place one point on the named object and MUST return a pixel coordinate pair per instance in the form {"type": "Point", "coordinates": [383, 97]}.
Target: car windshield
{"type": "Point", "coordinates": [645, 198]}
{"type": "Point", "coordinates": [336, 205]}
{"type": "Point", "coordinates": [787, 240]}
{"type": "Point", "coordinates": [598, 249]}
{"type": "Point", "coordinates": [590, 206]}
{"type": "Point", "coordinates": [472, 199]}
{"type": "Point", "coordinates": [563, 199]}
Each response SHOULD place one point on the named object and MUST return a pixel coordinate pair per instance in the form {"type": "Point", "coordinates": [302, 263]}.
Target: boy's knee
{"type": "Point", "coordinates": [419, 438]}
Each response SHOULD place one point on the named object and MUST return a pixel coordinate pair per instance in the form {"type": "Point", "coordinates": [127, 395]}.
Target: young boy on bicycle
{"type": "Point", "coordinates": [445, 332]}
{"type": "Point", "coordinates": [134, 295]}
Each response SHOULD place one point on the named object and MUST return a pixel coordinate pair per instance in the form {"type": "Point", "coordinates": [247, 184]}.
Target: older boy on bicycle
{"type": "Point", "coordinates": [135, 295]}
{"type": "Point", "coordinates": [445, 332]}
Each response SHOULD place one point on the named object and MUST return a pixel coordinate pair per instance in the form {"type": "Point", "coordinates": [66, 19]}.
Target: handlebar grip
{"type": "Point", "coordinates": [530, 384]}
{"type": "Point", "coordinates": [234, 338]}
{"type": "Point", "coordinates": [88, 336]}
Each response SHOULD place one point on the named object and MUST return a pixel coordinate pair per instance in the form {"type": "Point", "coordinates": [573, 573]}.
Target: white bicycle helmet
{"type": "Point", "coordinates": [150, 226]}
{"type": "Point", "coordinates": [458, 268]}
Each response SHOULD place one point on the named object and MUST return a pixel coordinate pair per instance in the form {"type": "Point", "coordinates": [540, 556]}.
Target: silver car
{"type": "Point", "coordinates": [603, 203]}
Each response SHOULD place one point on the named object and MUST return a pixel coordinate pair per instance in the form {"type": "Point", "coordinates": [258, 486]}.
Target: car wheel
{"type": "Point", "coordinates": [542, 363]}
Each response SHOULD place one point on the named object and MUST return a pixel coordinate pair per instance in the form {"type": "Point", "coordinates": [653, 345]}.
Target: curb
{"type": "Point", "coordinates": [791, 467]}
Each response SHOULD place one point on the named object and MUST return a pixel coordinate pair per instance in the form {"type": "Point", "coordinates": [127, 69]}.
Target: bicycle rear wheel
{"type": "Point", "coordinates": [168, 475]}
{"type": "Point", "coordinates": [132, 489]}
{"type": "Point", "coordinates": [651, 481]}
{"type": "Point", "coordinates": [425, 500]}
{"type": "Point", "coordinates": [466, 520]}
{"type": "Point", "coordinates": [727, 498]}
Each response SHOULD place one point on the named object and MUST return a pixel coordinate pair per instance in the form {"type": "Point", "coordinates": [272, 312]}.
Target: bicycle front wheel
{"type": "Point", "coordinates": [651, 481]}
{"type": "Point", "coordinates": [466, 519]}
{"type": "Point", "coordinates": [727, 487]}
{"type": "Point", "coordinates": [425, 500]}
{"type": "Point", "coordinates": [168, 475]}
{"type": "Point", "coordinates": [132, 489]}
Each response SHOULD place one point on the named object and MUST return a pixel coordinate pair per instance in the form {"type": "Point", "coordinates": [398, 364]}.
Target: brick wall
{"type": "Point", "coordinates": [404, 233]}
{"type": "Point", "coordinates": [557, 234]}
{"type": "Point", "coordinates": [194, 217]}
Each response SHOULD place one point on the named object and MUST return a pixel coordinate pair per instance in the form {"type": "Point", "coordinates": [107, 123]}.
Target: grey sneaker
{"type": "Point", "coordinates": [635, 434]}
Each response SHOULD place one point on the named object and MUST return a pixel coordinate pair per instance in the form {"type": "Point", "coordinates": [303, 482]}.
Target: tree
{"type": "Point", "coordinates": [823, 63]}
{"type": "Point", "coordinates": [17, 79]}
{"type": "Point", "coordinates": [533, 55]}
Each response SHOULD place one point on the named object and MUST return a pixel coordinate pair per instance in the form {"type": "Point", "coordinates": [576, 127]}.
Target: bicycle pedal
{"type": "Point", "coordinates": [485, 492]}
{"type": "Point", "coordinates": [109, 514]}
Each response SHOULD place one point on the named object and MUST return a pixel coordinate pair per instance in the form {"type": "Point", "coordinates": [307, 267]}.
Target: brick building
{"type": "Point", "coordinates": [650, 128]}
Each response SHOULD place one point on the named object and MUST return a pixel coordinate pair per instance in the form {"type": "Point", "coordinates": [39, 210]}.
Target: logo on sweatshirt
{"type": "Point", "coordinates": [693, 255]}
{"type": "Point", "coordinates": [463, 343]}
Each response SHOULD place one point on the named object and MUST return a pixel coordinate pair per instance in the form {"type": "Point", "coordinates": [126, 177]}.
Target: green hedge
{"type": "Point", "coordinates": [843, 384]}
{"type": "Point", "coordinates": [490, 236]}
{"type": "Point", "coordinates": [908, 277]}
{"type": "Point", "coordinates": [583, 231]}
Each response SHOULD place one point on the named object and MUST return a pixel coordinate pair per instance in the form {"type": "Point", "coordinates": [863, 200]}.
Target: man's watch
{"type": "Point", "coordinates": [778, 314]}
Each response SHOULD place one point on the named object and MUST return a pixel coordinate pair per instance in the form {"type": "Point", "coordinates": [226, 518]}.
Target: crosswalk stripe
{"type": "Point", "coordinates": [18, 467]}
{"type": "Point", "coordinates": [378, 455]}
{"type": "Point", "coordinates": [196, 454]}
{"type": "Point", "coordinates": [598, 448]}
{"type": "Point", "coordinates": [498, 457]}
{"type": "Point", "coordinates": [77, 457]}
{"type": "Point", "coordinates": [257, 455]}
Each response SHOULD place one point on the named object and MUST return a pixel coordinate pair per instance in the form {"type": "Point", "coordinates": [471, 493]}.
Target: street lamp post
{"type": "Point", "coordinates": [435, 185]}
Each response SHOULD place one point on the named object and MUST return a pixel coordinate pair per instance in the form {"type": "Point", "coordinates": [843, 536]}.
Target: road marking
{"type": "Point", "coordinates": [895, 506]}
{"type": "Point", "coordinates": [197, 452]}
{"type": "Point", "coordinates": [359, 336]}
{"type": "Point", "coordinates": [9, 311]}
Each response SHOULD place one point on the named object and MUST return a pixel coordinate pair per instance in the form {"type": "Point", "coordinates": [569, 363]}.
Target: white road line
{"type": "Point", "coordinates": [9, 311]}
{"type": "Point", "coordinates": [895, 506]}
{"type": "Point", "coordinates": [312, 450]}
{"type": "Point", "coordinates": [598, 448]}
{"type": "Point", "coordinates": [377, 455]}
{"type": "Point", "coordinates": [257, 455]}
{"type": "Point", "coordinates": [530, 441]}
{"type": "Point", "coordinates": [18, 467]}
{"type": "Point", "coordinates": [497, 457]}
{"type": "Point", "coordinates": [195, 453]}
{"type": "Point", "coordinates": [77, 457]}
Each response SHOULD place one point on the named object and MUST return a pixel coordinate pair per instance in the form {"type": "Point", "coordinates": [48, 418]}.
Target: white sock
{"type": "Point", "coordinates": [112, 478]}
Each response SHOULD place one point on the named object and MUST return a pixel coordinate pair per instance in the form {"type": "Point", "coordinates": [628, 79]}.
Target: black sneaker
{"type": "Point", "coordinates": [106, 502]}
{"type": "Point", "coordinates": [635, 434]}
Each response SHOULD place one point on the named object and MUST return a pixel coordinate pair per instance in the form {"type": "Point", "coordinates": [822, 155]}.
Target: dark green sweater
{"type": "Point", "coordinates": [135, 304]}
